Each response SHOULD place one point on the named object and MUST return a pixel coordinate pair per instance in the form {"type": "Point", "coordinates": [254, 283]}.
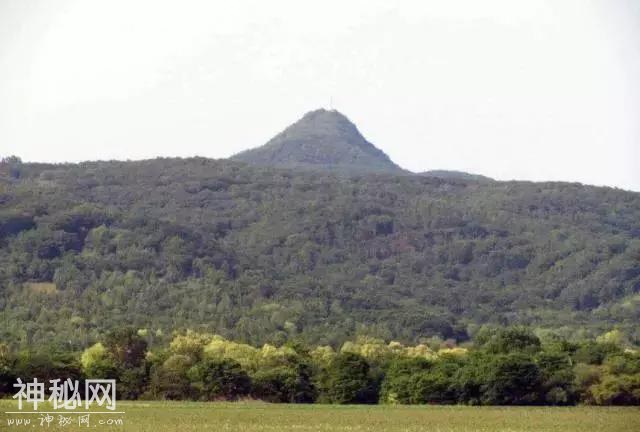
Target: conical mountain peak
{"type": "Point", "coordinates": [321, 139]}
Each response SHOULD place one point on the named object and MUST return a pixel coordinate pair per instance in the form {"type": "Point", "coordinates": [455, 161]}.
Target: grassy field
{"type": "Point", "coordinates": [255, 416]}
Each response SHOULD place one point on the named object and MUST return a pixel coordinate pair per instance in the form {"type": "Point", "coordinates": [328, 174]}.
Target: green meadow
{"type": "Point", "coordinates": [258, 416]}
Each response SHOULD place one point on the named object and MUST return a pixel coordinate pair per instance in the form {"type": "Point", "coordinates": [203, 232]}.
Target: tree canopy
{"type": "Point", "coordinates": [264, 255]}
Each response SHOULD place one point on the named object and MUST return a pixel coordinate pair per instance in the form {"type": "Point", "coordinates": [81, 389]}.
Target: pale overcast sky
{"type": "Point", "coordinates": [513, 89]}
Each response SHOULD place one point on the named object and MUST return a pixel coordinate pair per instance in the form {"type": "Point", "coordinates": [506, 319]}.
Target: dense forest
{"type": "Point", "coordinates": [266, 255]}
{"type": "Point", "coordinates": [506, 366]}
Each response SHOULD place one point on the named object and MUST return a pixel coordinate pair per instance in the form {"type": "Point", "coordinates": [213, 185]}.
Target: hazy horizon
{"type": "Point", "coordinates": [540, 90]}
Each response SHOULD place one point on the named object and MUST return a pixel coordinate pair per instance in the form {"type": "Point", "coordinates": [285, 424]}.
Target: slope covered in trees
{"type": "Point", "coordinates": [259, 254]}
{"type": "Point", "coordinates": [321, 139]}
{"type": "Point", "coordinates": [455, 175]}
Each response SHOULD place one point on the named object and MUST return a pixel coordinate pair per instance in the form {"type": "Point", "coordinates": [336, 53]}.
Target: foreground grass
{"type": "Point", "coordinates": [256, 416]}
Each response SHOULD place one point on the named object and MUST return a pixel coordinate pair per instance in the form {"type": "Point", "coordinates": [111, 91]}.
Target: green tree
{"type": "Point", "coordinates": [558, 378]}
{"type": "Point", "coordinates": [98, 363]}
{"type": "Point", "coordinates": [290, 384]}
{"type": "Point", "coordinates": [223, 379]}
{"type": "Point", "coordinates": [7, 366]}
{"type": "Point", "coordinates": [617, 390]}
{"type": "Point", "coordinates": [398, 385]}
{"type": "Point", "coordinates": [470, 380]}
{"type": "Point", "coordinates": [169, 378]}
{"type": "Point", "coordinates": [126, 347]}
{"type": "Point", "coordinates": [349, 380]}
{"type": "Point", "coordinates": [513, 379]}
{"type": "Point", "coordinates": [437, 384]}
{"type": "Point", "coordinates": [11, 166]}
{"type": "Point", "coordinates": [513, 339]}
{"type": "Point", "coordinates": [591, 352]}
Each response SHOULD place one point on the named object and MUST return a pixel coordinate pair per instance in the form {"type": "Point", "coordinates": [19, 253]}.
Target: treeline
{"type": "Point", "coordinates": [507, 366]}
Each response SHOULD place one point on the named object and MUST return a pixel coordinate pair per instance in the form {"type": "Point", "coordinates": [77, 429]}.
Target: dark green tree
{"type": "Point", "coordinates": [512, 379]}
{"type": "Point", "coordinates": [291, 384]}
{"type": "Point", "coordinates": [558, 378]}
{"type": "Point", "coordinates": [349, 380]}
{"type": "Point", "coordinates": [213, 380]}
{"type": "Point", "coordinates": [399, 381]}
{"type": "Point", "coordinates": [512, 339]}
{"type": "Point", "coordinates": [127, 348]}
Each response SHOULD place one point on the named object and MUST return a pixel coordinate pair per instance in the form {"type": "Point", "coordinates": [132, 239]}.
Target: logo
{"type": "Point", "coordinates": [67, 403]}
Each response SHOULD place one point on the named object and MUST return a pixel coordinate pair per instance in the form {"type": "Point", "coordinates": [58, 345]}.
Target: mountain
{"type": "Point", "coordinates": [264, 255]}
{"type": "Point", "coordinates": [321, 139]}
{"type": "Point", "coordinates": [455, 175]}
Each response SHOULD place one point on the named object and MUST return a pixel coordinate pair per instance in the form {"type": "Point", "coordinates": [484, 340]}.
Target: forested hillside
{"type": "Point", "coordinates": [260, 254]}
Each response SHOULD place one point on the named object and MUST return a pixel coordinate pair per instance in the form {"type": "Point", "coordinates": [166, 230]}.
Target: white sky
{"type": "Point", "coordinates": [524, 89]}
